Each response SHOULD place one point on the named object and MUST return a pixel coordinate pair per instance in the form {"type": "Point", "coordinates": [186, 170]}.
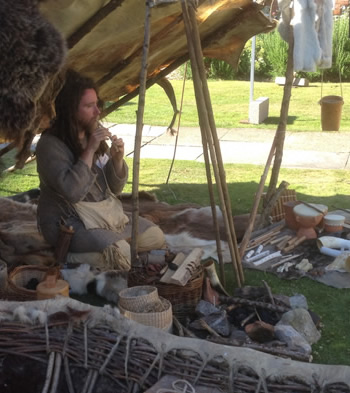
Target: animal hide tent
{"type": "Point", "coordinates": [105, 42]}
{"type": "Point", "coordinates": [21, 242]}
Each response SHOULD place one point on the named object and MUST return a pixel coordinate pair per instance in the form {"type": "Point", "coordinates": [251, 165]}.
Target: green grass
{"type": "Point", "coordinates": [188, 183]}
{"type": "Point", "coordinates": [230, 102]}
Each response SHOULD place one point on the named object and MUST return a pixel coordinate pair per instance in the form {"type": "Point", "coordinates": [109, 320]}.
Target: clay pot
{"type": "Point", "coordinates": [308, 218]}
{"type": "Point", "coordinates": [289, 216]}
{"type": "Point", "coordinates": [333, 223]}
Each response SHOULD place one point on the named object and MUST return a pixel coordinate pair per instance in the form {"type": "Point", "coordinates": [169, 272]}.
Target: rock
{"type": "Point", "coordinates": [205, 308]}
{"type": "Point", "coordinates": [302, 322]}
{"type": "Point", "coordinates": [217, 321]}
{"type": "Point", "coordinates": [292, 338]}
{"type": "Point", "coordinates": [298, 301]}
{"type": "Point", "coordinates": [238, 337]}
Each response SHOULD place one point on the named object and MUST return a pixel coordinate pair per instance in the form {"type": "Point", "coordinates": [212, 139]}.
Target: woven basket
{"type": "Point", "coordinates": [183, 299]}
{"type": "Point", "coordinates": [138, 297]}
{"type": "Point", "coordinates": [20, 277]}
{"type": "Point", "coordinates": [159, 319]}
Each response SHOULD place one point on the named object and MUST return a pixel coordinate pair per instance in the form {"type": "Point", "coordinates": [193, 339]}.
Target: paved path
{"type": "Point", "coordinates": [314, 150]}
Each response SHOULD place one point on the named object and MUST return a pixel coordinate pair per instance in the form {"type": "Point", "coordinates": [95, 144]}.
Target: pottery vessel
{"type": "Point", "coordinates": [333, 223]}
{"type": "Point", "coordinates": [308, 218]}
{"type": "Point", "coordinates": [289, 215]}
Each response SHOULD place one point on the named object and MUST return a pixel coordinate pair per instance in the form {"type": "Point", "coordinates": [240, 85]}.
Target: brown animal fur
{"type": "Point", "coordinates": [32, 52]}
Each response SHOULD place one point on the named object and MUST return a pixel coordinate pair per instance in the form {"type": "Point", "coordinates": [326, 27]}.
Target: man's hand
{"type": "Point", "coordinates": [96, 137]}
{"type": "Point", "coordinates": [117, 155]}
{"type": "Point", "coordinates": [117, 148]}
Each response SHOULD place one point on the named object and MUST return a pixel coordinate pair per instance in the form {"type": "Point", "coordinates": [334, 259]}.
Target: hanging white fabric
{"type": "Point", "coordinates": [312, 23]}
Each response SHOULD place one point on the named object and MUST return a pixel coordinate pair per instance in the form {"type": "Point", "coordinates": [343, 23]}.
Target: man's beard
{"type": "Point", "coordinates": [89, 126]}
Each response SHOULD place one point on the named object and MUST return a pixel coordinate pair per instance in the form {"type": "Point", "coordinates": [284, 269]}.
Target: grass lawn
{"type": "Point", "coordinates": [230, 102]}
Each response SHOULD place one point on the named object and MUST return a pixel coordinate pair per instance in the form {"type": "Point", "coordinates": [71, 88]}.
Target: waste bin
{"type": "Point", "coordinates": [331, 108]}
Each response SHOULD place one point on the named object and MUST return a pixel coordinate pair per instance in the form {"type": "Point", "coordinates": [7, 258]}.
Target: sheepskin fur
{"type": "Point", "coordinates": [32, 52]}
{"type": "Point", "coordinates": [312, 23]}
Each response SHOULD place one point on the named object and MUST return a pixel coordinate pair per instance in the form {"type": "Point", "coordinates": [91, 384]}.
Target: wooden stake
{"type": "Point", "coordinates": [282, 126]}
{"type": "Point", "coordinates": [208, 130]}
{"type": "Point", "coordinates": [138, 136]}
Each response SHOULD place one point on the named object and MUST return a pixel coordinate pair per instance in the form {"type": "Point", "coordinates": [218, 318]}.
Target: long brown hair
{"type": "Point", "coordinates": [65, 125]}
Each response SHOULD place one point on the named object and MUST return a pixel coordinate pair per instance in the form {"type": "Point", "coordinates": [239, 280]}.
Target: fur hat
{"type": "Point", "coordinates": [32, 52]}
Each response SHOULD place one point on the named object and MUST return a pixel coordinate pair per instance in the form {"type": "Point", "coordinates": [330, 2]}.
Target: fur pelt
{"type": "Point", "coordinates": [84, 279]}
{"type": "Point", "coordinates": [185, 226]}
{"type": "Point", "coordinates": [32, 53]}
{"type": "Point", "coordinates": [20, 240]}
{"type": "Point", "coordinates": [312, 23]}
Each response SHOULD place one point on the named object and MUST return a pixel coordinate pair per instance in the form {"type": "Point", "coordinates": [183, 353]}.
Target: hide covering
{"type": "Point", "coordinates": [105, 42]}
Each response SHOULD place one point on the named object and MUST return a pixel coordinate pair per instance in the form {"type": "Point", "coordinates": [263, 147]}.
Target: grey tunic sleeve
{"type": "Point", "coordinates": [59, 172]}
{"type": "Point", "coordinates": [116, 183]}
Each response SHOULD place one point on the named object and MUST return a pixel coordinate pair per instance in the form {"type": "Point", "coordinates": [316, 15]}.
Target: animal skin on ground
{"type": "Point", "coordinates": [186, 226]}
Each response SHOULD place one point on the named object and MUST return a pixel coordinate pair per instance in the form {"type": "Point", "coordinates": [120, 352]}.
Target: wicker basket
{"type": "Point", "coordinates": [183, 299]}
{"type": "Point", "coordinates": [20, 277]}
{"type": "Point", "coordinates": [136, 298]}
{"type": "Point", "coordinates": [159, 319]}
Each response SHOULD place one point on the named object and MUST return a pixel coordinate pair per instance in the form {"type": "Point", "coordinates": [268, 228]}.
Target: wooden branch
{"type": "Point", "coordinates": [314, 207]}
{"type": "Point", "coordinates": [7, 148]}
{"type": "Point", "coordinates": [14, 167]}
{"type": "Point", "coordinates": [252, 303]}
{"type": "Point", "coordinates": [253, 213]}
{"type": "Point", "coordinates": [92, 22]}
{"type": "Point", "coordinates": [138, 136]}
{"type": "Point", "coordinates": [282, 126]}
{"type": "Point", "coordinates": [282, 352]}
{"type": "Point", "coordinates": [271, 203]}
{"type": "Point", "coordinates": [209, 135]}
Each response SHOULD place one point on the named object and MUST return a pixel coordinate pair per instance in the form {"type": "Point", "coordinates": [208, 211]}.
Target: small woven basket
{"type": "Point", "coordinates": [138, 297]}
{"type": "Point", "coordinates": [183, 299]}
{"type": "Point", "coordinates": [160, 319]}
{"type": "Point", "coordinates": [20, 277]}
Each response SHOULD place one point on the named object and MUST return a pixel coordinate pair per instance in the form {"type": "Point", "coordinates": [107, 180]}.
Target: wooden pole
{"type": "Point", "coordinates": [92, 22]}
{"type": "Point", "coordinates": [215, 140]}
{"type": "Point", "coordinates": [282, 125]}
{"type": "Point", "coordinates": [253, 213]}
{"type": "Point", "coordinates": [204, 110]}
{"type": "Point", "coordinates": [138, 136]}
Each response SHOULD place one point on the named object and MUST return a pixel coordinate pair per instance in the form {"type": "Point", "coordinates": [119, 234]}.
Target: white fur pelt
{"type": "Point", "coordinates": [312, 26]}
{"type": "Point", "coordinates": [184, 242]}
{"type": "Point", "coordinates": [324, 28]}
{"type": "Point", "coordinates": [85, 279]}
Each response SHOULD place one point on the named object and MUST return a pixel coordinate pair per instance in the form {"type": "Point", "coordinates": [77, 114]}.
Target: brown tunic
{"type": "Point", "coordinates": [64, 182]}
